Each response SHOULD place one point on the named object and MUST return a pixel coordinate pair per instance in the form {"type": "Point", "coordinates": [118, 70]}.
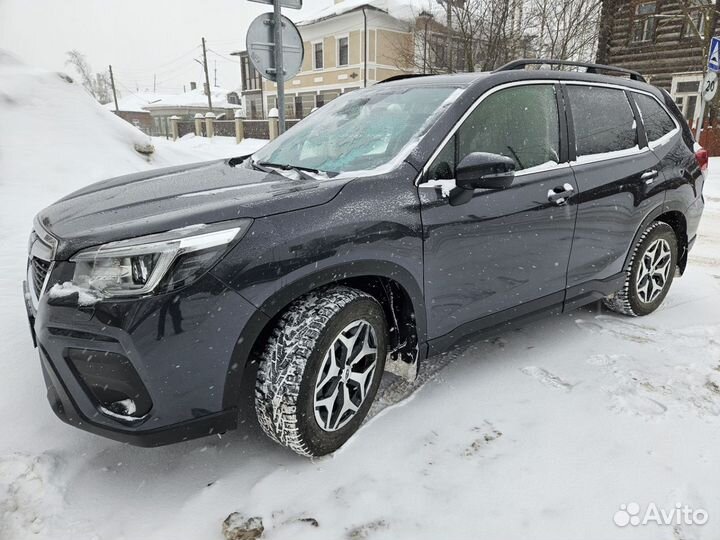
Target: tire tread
{"type": "Point", "coordinates": [285, 358]}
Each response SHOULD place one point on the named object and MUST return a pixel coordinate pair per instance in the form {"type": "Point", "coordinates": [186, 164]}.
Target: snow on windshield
{"type": "Point", "coordinates": [367, 131]}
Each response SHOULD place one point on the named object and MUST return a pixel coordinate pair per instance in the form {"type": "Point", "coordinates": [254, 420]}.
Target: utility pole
{"type": "Point", "coordinates": [448, 3]}
{"type": "Point", "coordinates": [207, 77]}
{"type": "Point", "coordinates": [279, 68]}
{"type": "Point", "coordinates": [215, 78]}
{"type": "Point", "coordinates": [112, 83]}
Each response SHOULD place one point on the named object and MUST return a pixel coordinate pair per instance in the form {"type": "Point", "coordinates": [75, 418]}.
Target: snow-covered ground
{"type": "Point", "coordinates": [540, 433]}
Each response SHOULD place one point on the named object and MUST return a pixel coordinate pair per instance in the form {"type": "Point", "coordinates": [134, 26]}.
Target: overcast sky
{"type": "Point", "coordinates": [140, 38]}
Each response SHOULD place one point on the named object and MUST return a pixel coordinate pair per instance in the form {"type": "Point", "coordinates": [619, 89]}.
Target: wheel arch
{"type": "Point", "coordinates": [678, 222]}
{"type": "Point", "coordinates": [393, 286]}
{"type": "Point", "coordinates": [674, 217]}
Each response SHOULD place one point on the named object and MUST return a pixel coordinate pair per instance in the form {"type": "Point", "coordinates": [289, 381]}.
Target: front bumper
{"type": "Point", "coordinates": [170, 355]}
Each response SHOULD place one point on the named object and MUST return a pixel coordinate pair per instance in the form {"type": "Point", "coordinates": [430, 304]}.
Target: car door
{"type": "Point", "coordinates": [504, 252]}
{"type": "Point", "coordinates": [619, 179]}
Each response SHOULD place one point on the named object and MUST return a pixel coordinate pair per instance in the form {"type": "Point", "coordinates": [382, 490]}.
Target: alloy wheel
{"type": "Point", "coordinates": [345, 376]}
{"type": "Point", "coordinates": [653, 271]}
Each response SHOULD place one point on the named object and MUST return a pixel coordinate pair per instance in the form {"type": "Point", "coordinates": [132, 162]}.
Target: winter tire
{"type": "Point", "coordinates": [649, 274]}
{"type": "Point", "coordinates": [321, 370]}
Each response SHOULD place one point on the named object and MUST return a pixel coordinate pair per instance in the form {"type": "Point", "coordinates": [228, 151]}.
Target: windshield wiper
{"type": "Point", "coordinates": [287, 167]}
{"type": "Point", "coordinates": [260, 167]}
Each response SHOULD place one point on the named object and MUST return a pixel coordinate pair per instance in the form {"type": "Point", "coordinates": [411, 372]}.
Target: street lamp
{"type": "Point", "coordinates": [425, 17]}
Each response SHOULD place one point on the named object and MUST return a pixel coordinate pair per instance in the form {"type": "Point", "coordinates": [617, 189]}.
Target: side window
{"type": "Point", "coordinates": [520, 123]}
{"type": "Point", "coordinates": [443, 167]}
{"type": "Point", "coordinates": [657, 121]}
{"type": "Point", "coordinates": [603, 120]}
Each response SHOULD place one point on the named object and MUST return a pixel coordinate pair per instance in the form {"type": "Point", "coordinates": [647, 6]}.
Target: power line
{"type": "Point", "coordinates": [223, 57]}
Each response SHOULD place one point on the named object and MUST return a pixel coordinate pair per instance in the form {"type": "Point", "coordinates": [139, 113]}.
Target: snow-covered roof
{"type": "Point", "coordinates": [400, 9]}
{"type": "Point", "coordinates": [147, 101]}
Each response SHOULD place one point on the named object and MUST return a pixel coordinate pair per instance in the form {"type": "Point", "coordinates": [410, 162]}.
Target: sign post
{"type": "Point", "coordinates": [280, 71]}
{"type": "Point", "coordinates": [708, 87]}
{"type": "Point", "coordinates": [275, 48]}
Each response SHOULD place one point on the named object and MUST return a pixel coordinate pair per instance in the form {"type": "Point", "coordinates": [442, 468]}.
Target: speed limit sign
{"type": "Point", "coordinates": [709, 86]}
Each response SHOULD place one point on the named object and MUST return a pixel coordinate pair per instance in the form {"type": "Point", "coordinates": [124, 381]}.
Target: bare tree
{"type": "Point", "coordinates": [484, 34]}
{"type": "Point", "coordinates": [488, 33]}
{"type": "Point", "coordinates": [566, 29]}
{"type": "Point", "coordinates": [97, 84]}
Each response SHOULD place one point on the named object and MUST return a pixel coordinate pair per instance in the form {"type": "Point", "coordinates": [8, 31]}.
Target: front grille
{"type": "Point", "coordinates": [39, 273]}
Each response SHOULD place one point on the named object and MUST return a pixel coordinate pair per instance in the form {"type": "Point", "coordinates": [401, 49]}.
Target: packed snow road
{"type": "Point", "coordinates": [542, 432]}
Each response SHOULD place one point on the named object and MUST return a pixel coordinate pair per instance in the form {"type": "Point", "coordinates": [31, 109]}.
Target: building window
{"type": "Point", "coordinates": [684, 90]}
{"type": "Point", "coordinates": [254, 104]}
{"type": "Point", "coordinates": [251, 79]}
{"type": "Point", "coordinates": [644, 26]}
{"type": "Point", "coordinates": [318, 55]}
{"type": "Point", "coordinates": [694, 26]}
{"type": "Point", "coordinates": [687, 87]}
{"type": "Point", "coordinates": [343, 51]}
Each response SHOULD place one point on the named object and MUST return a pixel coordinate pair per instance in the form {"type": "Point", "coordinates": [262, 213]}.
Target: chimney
{"type": "Point", "coordinates": [193, 85]}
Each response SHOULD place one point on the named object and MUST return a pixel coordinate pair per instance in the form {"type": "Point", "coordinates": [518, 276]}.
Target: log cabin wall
{"type": "Point", "coordinates": [649, 37]}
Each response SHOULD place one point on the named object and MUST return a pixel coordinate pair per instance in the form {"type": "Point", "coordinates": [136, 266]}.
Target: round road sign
{"type": "Point", "coordinates": [261, 47]}
{"type": "Point", "coordinates": [709, 86]}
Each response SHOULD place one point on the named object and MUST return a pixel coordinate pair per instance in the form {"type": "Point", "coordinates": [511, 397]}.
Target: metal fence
{"type": "Point", "coordinates": [224, 128]}
{"type": "Point", "coordinates": [186, 126]}
{"type": "Point", "coordinates": [252, 129]}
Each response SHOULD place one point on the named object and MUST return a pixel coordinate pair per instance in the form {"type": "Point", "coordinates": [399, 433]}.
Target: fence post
{"type": "Point", "coordinates": [174, 127]}
{"type": "Point", "coordinates": [273, 127]}
{"type": "Point", "coordinates": [239, 128]}
{"type": "Point", "coordinates": [210, 124]}
{"type": "Point", "coordinates": [198, 124]}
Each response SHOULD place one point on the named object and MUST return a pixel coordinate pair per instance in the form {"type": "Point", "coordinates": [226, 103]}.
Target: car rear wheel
{"type": "Point", "coordinates": [649, 274]}
{"type": "Point", "coordinates": [321, 370]}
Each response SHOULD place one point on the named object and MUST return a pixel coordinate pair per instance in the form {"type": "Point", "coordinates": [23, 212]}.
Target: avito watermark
{"type": "Point", "coordinates": [680, 514]}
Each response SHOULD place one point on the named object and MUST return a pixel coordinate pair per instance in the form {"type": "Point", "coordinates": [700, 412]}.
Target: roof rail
{"type": "Point", "coordinates": [402, 77]}
{"type": "Point", "coordinates": [590, 68]}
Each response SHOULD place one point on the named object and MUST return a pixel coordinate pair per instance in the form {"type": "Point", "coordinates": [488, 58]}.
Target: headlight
{"type": "Point", "coordinates": [159, 262]}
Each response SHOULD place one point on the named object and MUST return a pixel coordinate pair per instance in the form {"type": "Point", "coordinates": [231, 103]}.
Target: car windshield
{"type": "Point", "coordinates": [365, 130]}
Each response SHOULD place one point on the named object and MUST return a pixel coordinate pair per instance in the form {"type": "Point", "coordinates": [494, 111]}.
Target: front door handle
{"type": "Point", "coordinates": [560, 194]}
{"type": "Point", "coordinates": [649, 176]}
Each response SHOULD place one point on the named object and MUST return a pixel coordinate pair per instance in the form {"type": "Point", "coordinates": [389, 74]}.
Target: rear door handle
{"type": "Point", "coordinates": [560, 194]}
{"type": "Point", "coordinates": [649, 176]}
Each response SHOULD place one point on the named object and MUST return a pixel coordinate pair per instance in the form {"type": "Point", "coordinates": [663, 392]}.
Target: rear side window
{"type": "Point", "coordinates": [603, 120]}
{"type": "Point", "coordinates": [657, 122]}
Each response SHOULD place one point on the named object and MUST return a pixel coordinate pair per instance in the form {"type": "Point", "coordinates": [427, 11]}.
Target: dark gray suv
{"type": "Point", "coordinates": [383, 229]}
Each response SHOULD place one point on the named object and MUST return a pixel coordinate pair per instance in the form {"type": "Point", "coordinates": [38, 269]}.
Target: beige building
{"type": "Point", "coordinates": [349, 45]}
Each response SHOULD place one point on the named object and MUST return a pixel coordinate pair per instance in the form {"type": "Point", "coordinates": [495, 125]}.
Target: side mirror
{"type": "Point", "coordinates": [484, 170]}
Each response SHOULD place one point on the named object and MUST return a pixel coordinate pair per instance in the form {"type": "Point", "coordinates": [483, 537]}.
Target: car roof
{"type": "Point", "coordinates": [486, 78]}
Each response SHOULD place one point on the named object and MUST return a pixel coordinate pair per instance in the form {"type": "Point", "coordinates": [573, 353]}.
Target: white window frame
{"type": "Point", "coordinates": [337, 50]}
{"type": "Point", "coordinates": [682, 99]}
{"type": "Point", "coordinates": [322, 48]}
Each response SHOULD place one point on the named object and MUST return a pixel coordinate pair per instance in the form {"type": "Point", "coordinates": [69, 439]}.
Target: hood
{"type": "Point", "coordinates": [165, 199]}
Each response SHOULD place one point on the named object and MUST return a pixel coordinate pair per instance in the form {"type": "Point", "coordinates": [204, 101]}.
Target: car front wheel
{"type": "Point", "coordinates": [321, 370]}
